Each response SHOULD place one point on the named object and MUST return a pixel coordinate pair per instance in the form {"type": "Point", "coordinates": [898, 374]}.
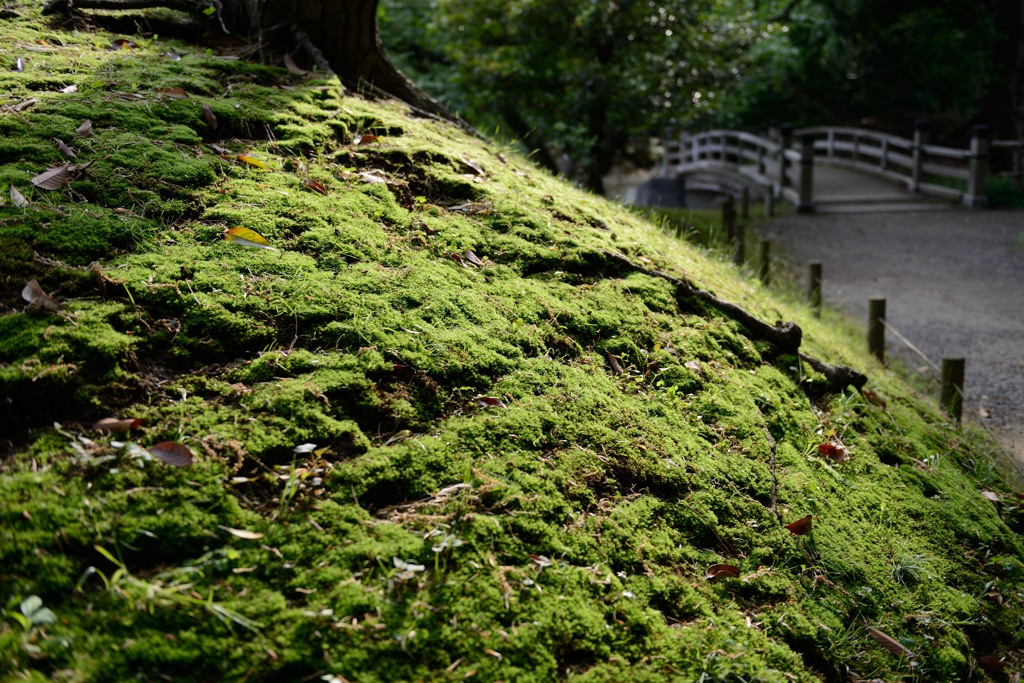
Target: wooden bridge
{"type": "Point", "coordinates": [833, 169]}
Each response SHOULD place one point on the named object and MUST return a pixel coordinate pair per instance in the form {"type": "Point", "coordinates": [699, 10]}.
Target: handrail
{"type": "Point", "coordinates": [769, 162]}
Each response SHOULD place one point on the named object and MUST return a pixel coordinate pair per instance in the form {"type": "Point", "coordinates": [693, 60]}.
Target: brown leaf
{"type": "Point", "coordinates": [85, 130]}
{"type": "Point", "coordinates": [64, 149]}
{"type": "Point", "coordinates": [18, 198]}
{"type": "Point", "coordinates": [889, 643]}
{"type": "Point", "coordinates": [719, 571]}
{"type": "Point", "coordinates": [834, 453]}
{"type": "Point", "coordinates": [364, 139]}
{"type": "Point", "coordinates": [473, 165]}
{"type": "Point", "coordinates": [211, 118]}
{"type": "Point", "coordinates": [501, 158]}
{"type": "Point", "coordinates": [223, 151]}
{"type": "Point", "coordinates": [800, 527]}
{"type": "Point", "coordinates": [35, 295]}
{"type": "Point", "coordinates": [991, 495]}
{"type": "Point", "coordinates": [314, 185]}
{"type": "Point", "coordinates": [290, 64]}
{"type": "Point", "coordinates": [122, 44]}
{"type": "Point", "coordinates": [25, 104]}
{"type": "Point", "coordinates": [173, 453]}
{"type": "Point", "coordinates": [695, 366]}
{"type": "Point", "coordinates": [612, 361]}
{"type": "Point", "coordinates": [174, 92]}
{"type": "Point", "coordinates": [470, 255]}
{"type": "Point", "coordinates": [992, 664]}
{"type": "Point", "coordinates": [113, 424]}
{"type": "Point", "coordinates": [874, 397]}
{"type": "Point", "coordinates": [52, 179]}
{"type": "Point", "coordinates": [372, 176]}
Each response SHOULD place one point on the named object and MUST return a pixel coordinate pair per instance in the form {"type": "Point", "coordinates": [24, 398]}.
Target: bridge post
{"type": "Point", "coordinates": [786, 141]}
{"type": "Point", "coordinates": [981, 140]}
{"type": "Point", "coordinates": [920, 140]}
{"type": "Point", "coordinates": [806, 201]}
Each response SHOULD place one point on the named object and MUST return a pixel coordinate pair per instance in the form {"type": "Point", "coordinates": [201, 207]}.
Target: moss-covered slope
{"type": "Point", "coordinates": [440, 433]}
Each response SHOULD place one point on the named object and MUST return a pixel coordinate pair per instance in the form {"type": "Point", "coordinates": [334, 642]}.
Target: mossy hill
{"type": "Point", "coordinates": [444, 432]}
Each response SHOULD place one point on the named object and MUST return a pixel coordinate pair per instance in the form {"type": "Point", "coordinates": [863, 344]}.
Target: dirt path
{"type": "Point", "coordinates": [954, 286]}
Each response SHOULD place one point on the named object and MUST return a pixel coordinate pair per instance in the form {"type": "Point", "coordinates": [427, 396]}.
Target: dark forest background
{"type": "Point", "coordinates": [580, 82]}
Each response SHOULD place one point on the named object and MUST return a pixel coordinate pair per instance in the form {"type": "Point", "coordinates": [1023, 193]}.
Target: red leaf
{"type": "Point", "coordinates": [113, 424]}
{"type": "Point", "coordinates": [834, 453]}
{"type": "Point", "coordinates": [364, 139]}
{"type": "Point", "coordinates": [489, 402]}
{"type": "Point", "coordinates": [35, 295]}
{"type": "Point", "coordinates": [992, 664]}
{"type": "Point", "coordinates": [52, 179]}
{"type": "Point", "coordinates": [314, 185]}
{"type": "Point", "coordinates": [173, 453]}
{"type": "Point", "coordinates": [800, 527]}
{"type": "Point", "coordinates": [719, 571]}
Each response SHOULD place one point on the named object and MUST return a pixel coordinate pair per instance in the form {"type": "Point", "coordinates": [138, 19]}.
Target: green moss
{"type": "Point", "coordinates": [486, 493]}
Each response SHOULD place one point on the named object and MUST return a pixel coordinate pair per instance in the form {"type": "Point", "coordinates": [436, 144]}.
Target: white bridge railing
{"type": "Point", "coordinates": [782, 164]}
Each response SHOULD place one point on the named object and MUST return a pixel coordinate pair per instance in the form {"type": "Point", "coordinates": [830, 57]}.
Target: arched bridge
{"type": "Point", "coordinates": [834, 169]}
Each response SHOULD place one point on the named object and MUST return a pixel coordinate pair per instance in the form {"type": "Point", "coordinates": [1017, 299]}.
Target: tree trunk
{"type": "Point", "coordinates": [343, 33]}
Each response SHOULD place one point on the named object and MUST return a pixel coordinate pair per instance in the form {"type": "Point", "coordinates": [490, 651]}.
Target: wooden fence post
{"type": "Point", "coordinates": [739, 245]}
{"type": "Point", "coordinates": [952, 396]}
{"type": "Point", "coordinates": [920, 140]}
{"type": "Point", "coordinates": [814, 288]}
{"type": "Point", "coordinates": [786, 140]}
{"type": "Point", "coordinates": [764, 262]}
{"type": "Point", "coordinates": [981, 141]}
{"type": "Point", "coordinates": [876, 327]}
{"type": "Point", "coordinates": [745, 204]}
{"type": "Point", "coordinates": [769, 201]}
{"type": "Point", "coordinates": [729, 218]}
{"type": "Point", "coordinates": [806, 201]}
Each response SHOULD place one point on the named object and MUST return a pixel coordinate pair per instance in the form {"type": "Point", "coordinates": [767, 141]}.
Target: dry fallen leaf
{"type": "Point", "coordinates": [173, 453]}
{"type": "Point", "coordinates": [294, 68]}
{"type": "Point", "coordinates": [173, 92]}
{"type": "Point", "coordinates": [64, 149]}
{"type": "Point", "coordinates": [889, 643]}
{"type": "Point", "coordinates": [70, 89]}
{"type": "Point", "coordinates": [489, 402]}
{"type": "Point", "coordinates": [35, 295]}
{"type": "Point", "coordinates": [113, 424]}
{"type": "Point", "coordinates": [473, 165]}
{"type": "Point", "coordinates": [800, 527]}
{"type": "Point", "coordinates": [19, 64]}
{"type": "Point", "coordinates": [314, 185]}
{"type": "Point", "coordinates": [873, 397]}
{"type": "Point", "coordinates": [612, 361]}
{"type": "Point", "coordinates": [85, 130]}
{"type": "Point", "coordinates": [695, 366]}
{"type": "Point", "coordinates": [211, 118]}
{"type": "Point", "coordinates": [247, 238]}
{"type": "Point", "coordinates": [991, 495]}
{"type": "Point", "coordinates": [52, 179]}
{"type": "Point", "coordinates": [18, 198]}
{"type": "Point", "coordinates": [470, 255]}
{"type": "Point", "coordinates": [834, 453]}
{"type": "Point", "coordinates": [242, 533]}
{"type": "Point", "coordinates": [364, 139]}
{"type": "Point", "coordinates": [720, 571]}
{"type": "Point", "coordinates": [252, 162]}
{"type": "Point", "coordinates": [25, 104]}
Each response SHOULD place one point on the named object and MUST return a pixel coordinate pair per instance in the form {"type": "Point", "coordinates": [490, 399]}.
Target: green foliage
{"type": "Point", "coordinates": [414, 464]}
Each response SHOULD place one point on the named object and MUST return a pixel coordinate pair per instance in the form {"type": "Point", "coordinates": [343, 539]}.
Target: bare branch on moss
{"type": "Point", "coordinates": [785, 337]}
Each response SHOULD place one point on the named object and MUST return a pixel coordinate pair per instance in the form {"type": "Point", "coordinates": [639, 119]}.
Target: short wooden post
{"type": "Point", "coordinates": [883, 160]}
{"type": "Point", "coordinates": [876, 327]}
{"type": "Point", "coordinates": [745, 204]}
{"type": "Point", "coordinates": [764, 262]}
{"type": "Point", "coordinates": [952, 396]}
{"type": "Point", "coordinates": [806, 201]}
{"type": "Point", "coordinates": [739, 246]}
{"type": "Point", "coordinates": [729, 218]}
{"type": "Point", "coordinates": [981, 140]}
{"type": "Point", "coordinates": [920, 141]}
{"type": "Point", "coordinates": [786, 133]}
{"type": "Point", "coordinates": [814, 288]}
{"type": "Point", "coordinates": [769, 201]}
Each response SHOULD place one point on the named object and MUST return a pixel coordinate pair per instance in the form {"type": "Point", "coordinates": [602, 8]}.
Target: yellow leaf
{"type": "Point", "coordinates": [242, 533]}
{"type": "Point", "coordinates": [252, 162]}
{"type": "Point", "coordinates": [247, 238]}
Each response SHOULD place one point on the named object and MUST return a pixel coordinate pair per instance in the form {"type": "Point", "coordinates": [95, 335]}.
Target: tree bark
{"type": "Point", "coordinates": [343, 33]}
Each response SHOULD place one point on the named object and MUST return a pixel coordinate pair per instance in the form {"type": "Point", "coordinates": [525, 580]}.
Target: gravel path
{"type": "Point", "coordinates": [954, 286]}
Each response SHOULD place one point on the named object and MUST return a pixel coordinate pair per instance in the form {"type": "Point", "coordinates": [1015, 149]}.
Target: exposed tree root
{"type": "Point", "coordinates": [785, 337]}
